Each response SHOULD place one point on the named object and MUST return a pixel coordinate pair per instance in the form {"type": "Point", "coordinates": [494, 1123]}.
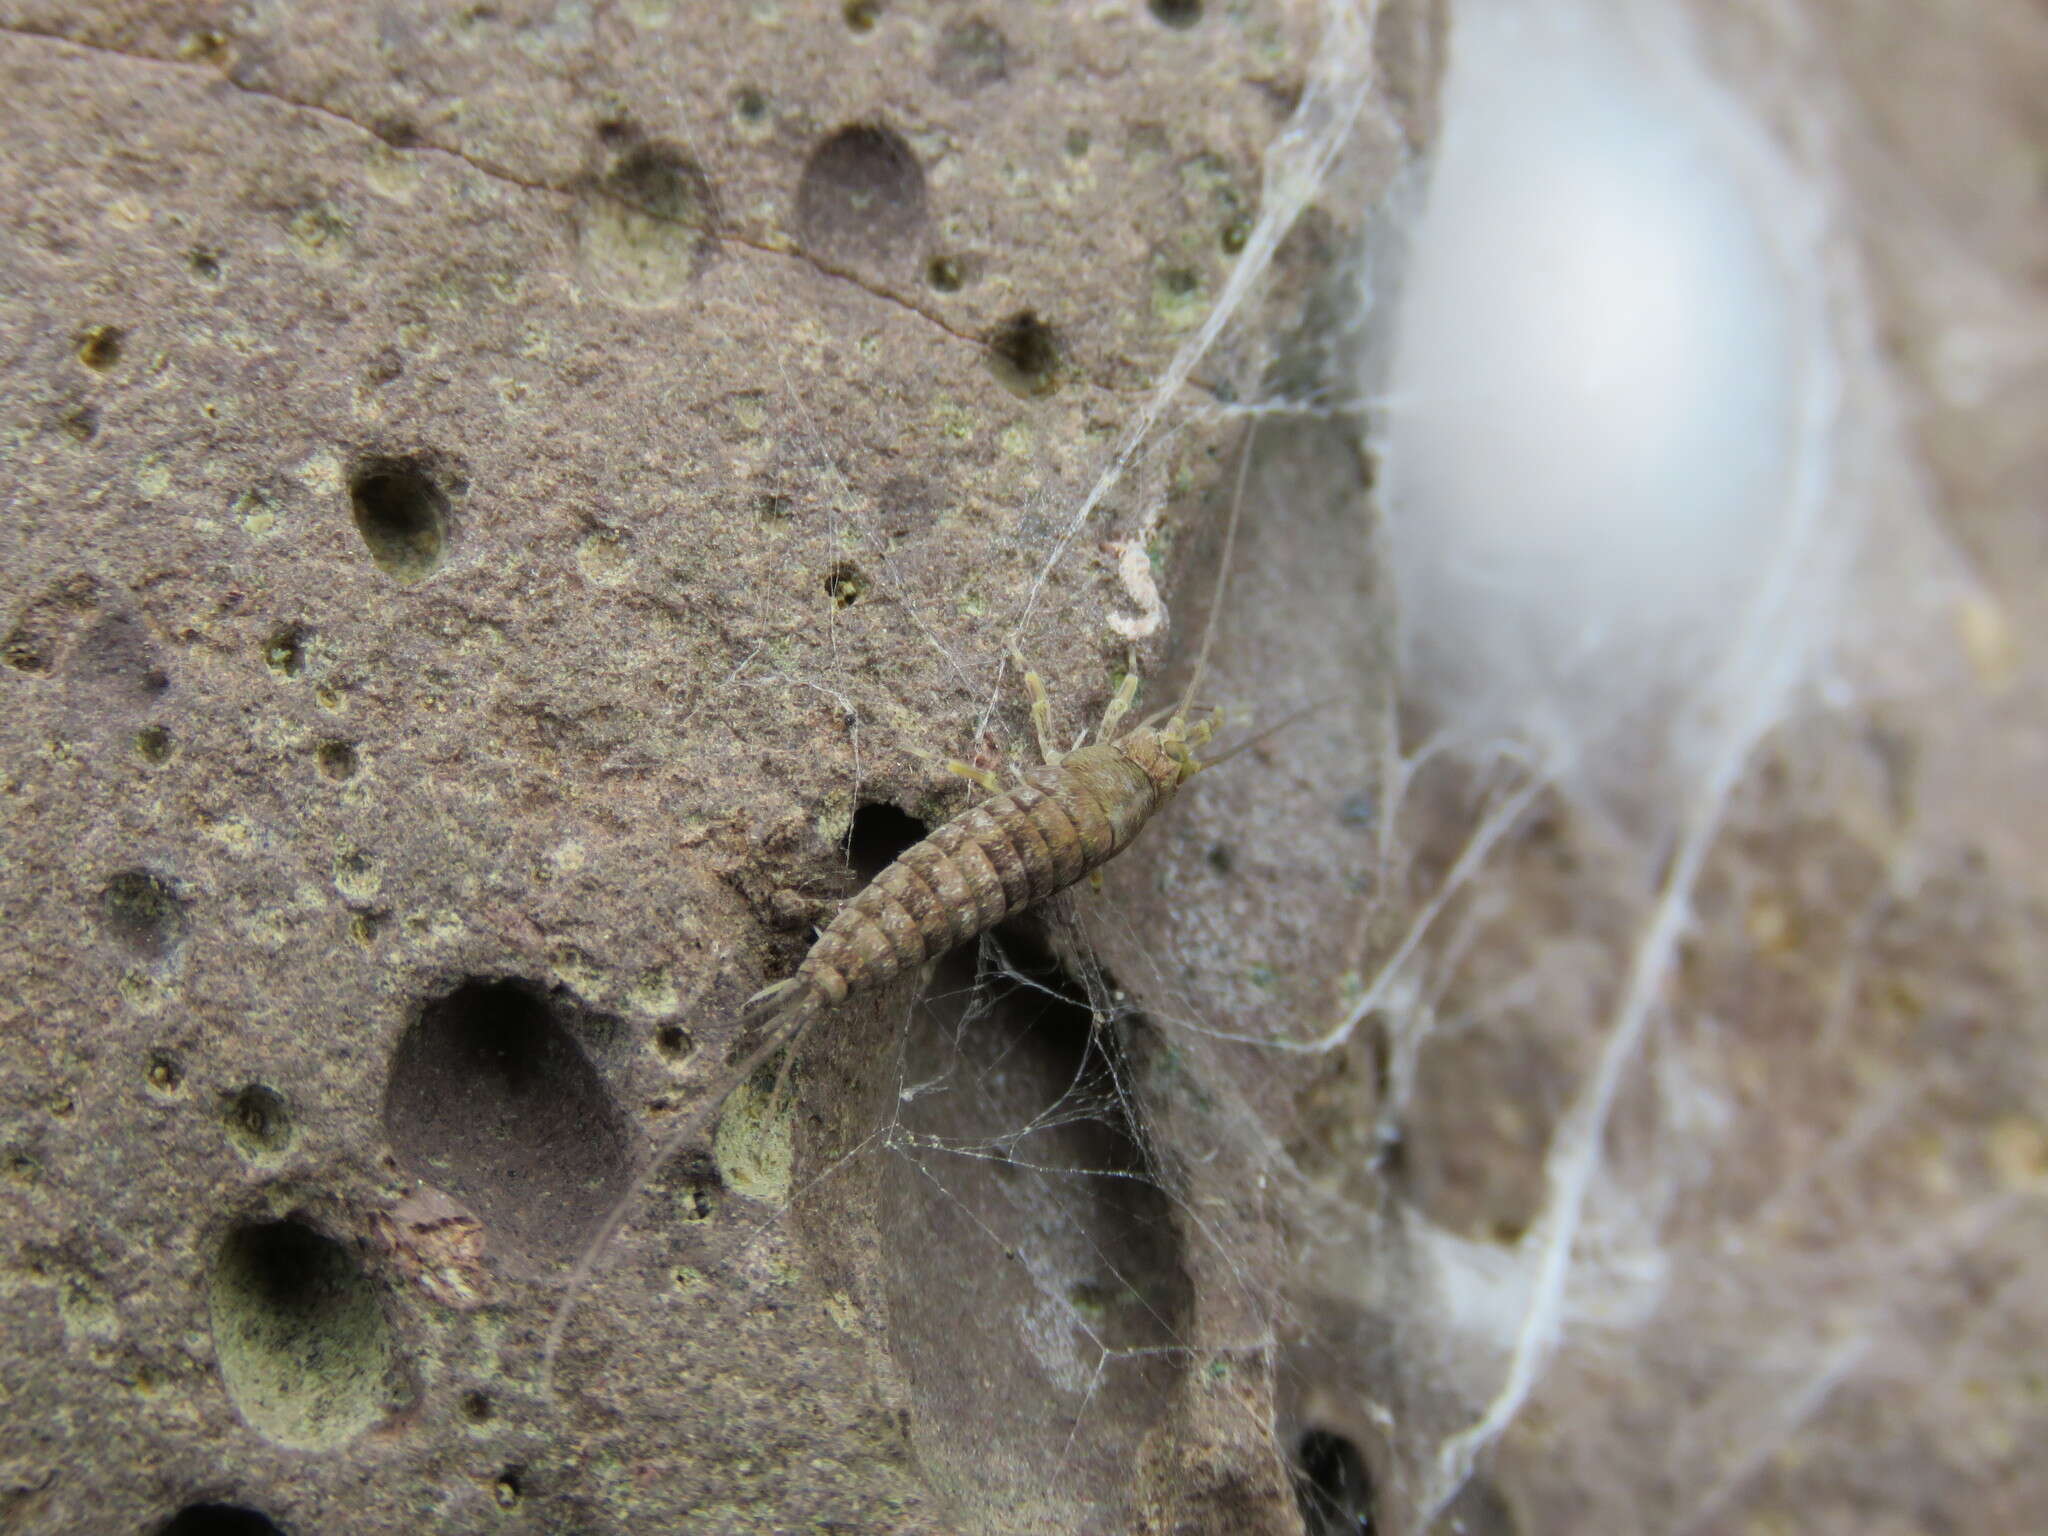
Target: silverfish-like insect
{"type": "Point", "coordinates": [1068, 817]}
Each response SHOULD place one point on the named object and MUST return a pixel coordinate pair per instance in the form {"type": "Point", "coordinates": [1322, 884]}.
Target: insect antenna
{"type": "Point", "coordinates": [1244, 464]}
{"type": "Point", "coordinates": [784, 1024]}
{"type": "Point", "coordinates": [1293, 717]}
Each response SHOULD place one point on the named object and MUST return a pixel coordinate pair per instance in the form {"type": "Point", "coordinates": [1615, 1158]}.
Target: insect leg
{"type": "Point", "coordinates": [974, 775]}
{"type": "Point", "coordinates": [1041, 718]}
{"type": "Point", "coordinates": [1119, 705]}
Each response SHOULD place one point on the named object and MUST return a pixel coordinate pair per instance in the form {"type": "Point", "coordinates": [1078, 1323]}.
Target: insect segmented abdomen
{"type": "Point", "coordinates": [994, 859]}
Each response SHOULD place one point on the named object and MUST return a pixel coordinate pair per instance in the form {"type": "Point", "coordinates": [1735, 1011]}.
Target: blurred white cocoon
{"type": "Point", "coordinates": [1606, 405]}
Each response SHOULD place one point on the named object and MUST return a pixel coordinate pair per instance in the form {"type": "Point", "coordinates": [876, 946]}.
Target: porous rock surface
{"type": "Point", "coordinates": [490, 491]}
{"type": "Point", "coordinates": [493, 490]}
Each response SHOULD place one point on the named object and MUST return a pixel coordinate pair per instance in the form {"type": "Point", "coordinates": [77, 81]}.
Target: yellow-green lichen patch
{"type": "Point", "coordinates": [356, 875]}
{"type": "Point", "coordinates": [648, 226]}
{"type": "Point", "coordinates": [755, 1144]}
{"type": "Point", "coordinates": [320, 233]}
{"type": "Point", "coordinates": [605, 559]}
{"type": "Point", "coordinates": [300, 1334]}
{"type": "Point", "coordinates": [1177, 297]}
{"type": "Point", "coordinates": [86, 1307]}
{"type": "Point", "coordinates": [257, 510]}
{"type": "Point", "coordinates": [653, 995]}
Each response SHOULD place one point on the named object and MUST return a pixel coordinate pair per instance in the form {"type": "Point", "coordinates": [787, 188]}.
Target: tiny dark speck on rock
{"type": "Point", "coordinates": [1358, 810]}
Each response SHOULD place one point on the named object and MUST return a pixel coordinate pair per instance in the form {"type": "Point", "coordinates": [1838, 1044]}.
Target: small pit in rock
{"type": "Point", "coordinates": [971, 54]}
{"type": "Point", "coordinates": [142, 914]}
{"type": "Point", "coordinates": [115, 666]}
{"type": "Point", "coordinates": [1024, 355]}
{"type": "Point", "coordinates": [509, 1491]}
{"type": "Point", "coordinates": [878, 836]}
{"type": "Point", "coordinates": [218, 1520]}
{"type": "Point", "coordinates": [1177, 14]}
{"type": "Point", "coordinates": [285, 651]}
{"type": "Point", "coordinates": [845, 585]}
{"type": "Point", "coordinates": [650, 225]}
{"type": "Point", "coordinates": [337, 760]}
{"type": "Point", "coordinates": [164, 1073]}
{"type": "Point", "coordinates": [491, 1098]}
{"type": "Point", "coordinates": [862, 196]}
{"type": "Point", "coordinates": [300, 1334]}
{"type": "Point", "coordinates": [662, 182]}
{"type": "Point", "coordinates": [258, 1122]}
{"type": "Point", "coordinates": [1331, 1485]}
{"type": "Point", "coordinates": [100, 348]}
{"type": "Point", "coordinates": [402, 513]}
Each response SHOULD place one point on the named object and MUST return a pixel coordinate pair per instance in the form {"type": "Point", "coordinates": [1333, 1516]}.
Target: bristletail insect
{"type": "Point", "coordinates": [1068, 817]}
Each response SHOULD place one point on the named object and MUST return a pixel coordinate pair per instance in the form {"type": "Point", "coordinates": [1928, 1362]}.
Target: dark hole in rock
{"type": "Point", "coordinates": [402, 514]}
{"type": "Point", "coordinates": [218, 1520]}
{"type": "Point", "coordinates": [945, 274]}
{"type": "Point", "coordinates": [880, 832]}
{"type": "Point", "coordinates": [1332, 1486]}
{"type": "Point", "coordinates": [337, 759]}
{"type": "Point", "coordinates": [845, 584]}
{"type": "Point", "coordinates": [299, 1333]}
{"type": "Point", "coordinates": [861, 16]}
{"type": "Point", "coordinates": [100, 348]}
{"type": "Point", "coordinates": [664, 183]}
{"type": "Point", "coordinates": [491, 1098]}
{"type": "Point", "coordinates": [862, 195]}
{"type": "Point", "coordinates": [691, 1187]}
{"type": "Point", "coordinates": [1178, 14]}
{"type": "Point", "coordinates": [258, 1121]}
{"type": "Point", "coordinates": [476, 1407]}
{"type": "Point", "coordinates": [142, 914]}
{"type": "Point", "coordinates": [1031, 1260]}
{"type": "Point", "coordinates": [1024, 355]}
{"type": "Point", "coordinates": [285, 651]}
{"type": "Point", "coordinates": [510, 1487]}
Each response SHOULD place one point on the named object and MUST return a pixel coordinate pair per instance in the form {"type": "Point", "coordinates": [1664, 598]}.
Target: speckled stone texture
{"type": "Point", "coordinates": [490, 490]}
{"type": "Point", "coordinates": [493, 490]}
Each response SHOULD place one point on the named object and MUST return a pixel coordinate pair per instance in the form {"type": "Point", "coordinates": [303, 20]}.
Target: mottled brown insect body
{"type": "Point", "coordinates": [993, 859]}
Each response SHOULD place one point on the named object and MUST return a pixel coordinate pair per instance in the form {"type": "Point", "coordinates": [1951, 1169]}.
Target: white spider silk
{"type": "Point", "coordinates": [1593, 405]}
